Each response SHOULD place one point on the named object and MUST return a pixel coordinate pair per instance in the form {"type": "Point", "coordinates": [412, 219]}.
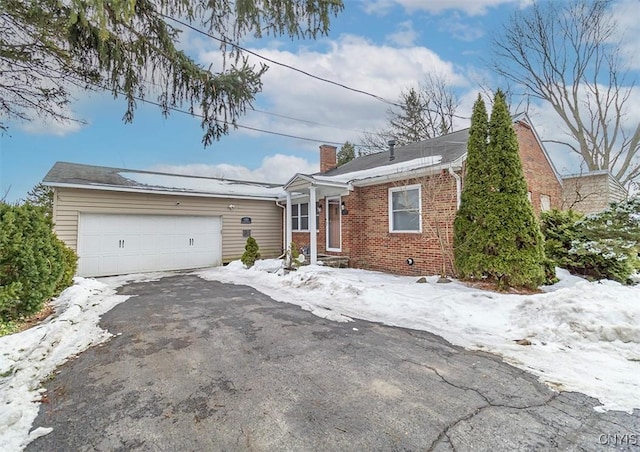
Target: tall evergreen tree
{"type": "Point", "coordinates": [497, 232]}
{"type": "Point", "coordinates": [408, 125]}
{"type": "Point", "coordinates": [346, 153]}
{"type": "Point", "coordinates": [470, 217]}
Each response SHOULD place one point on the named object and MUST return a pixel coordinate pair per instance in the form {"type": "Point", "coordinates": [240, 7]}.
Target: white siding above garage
{"type": "Point", "coordinates": [112, 244]}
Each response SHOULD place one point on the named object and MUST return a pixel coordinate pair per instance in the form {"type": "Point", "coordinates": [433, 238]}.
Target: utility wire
{"type": "Point", "coordinates": [237, 46]}
{"type": "Point", "coordinates": [240, 126]}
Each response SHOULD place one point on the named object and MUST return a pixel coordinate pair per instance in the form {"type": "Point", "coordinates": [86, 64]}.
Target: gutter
{"type": "Point", "coordinates": [284, 229]}
{"type": "Point", "coordinates": [408, 174]}
{"type": "Point", "coordinates": [458, 179]}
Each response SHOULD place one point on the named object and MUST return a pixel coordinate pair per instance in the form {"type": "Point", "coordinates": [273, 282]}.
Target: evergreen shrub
{"type": "Point", "coordinates": [600, 246]}
{"type": "Point", "coordinates": [34, 264]}
{"type": "Point", "coordinates": [251, 252]}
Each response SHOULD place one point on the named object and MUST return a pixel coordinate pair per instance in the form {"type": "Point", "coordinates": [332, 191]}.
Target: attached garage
{"type": "Point", "coordinates": [123, 221]}
{"type": "Point", "coordinates": [113, 244]}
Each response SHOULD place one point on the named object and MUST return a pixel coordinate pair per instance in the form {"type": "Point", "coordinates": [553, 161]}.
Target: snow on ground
{"type": "Point", "coordinates": [29, 357]}
{"type": "Point", "coordinates": [585, 336]}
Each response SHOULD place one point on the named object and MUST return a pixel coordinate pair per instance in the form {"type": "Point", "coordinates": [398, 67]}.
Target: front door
{"type": "Point", "coordinates": [333, 224]}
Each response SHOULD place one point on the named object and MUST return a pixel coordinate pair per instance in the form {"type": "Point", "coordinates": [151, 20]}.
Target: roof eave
{"type": "Point", "coordinates": [418, 172]}
{"type": "Point", "coordinates": [159, 192]}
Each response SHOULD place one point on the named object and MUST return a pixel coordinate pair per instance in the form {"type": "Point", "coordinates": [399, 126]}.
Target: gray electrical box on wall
{"type": "Point", "coordinates": [246, 233]}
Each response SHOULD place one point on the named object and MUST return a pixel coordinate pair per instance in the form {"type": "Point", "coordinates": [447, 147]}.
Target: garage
{"type": "Point", "coordinates": [122, 221]}
{"type": "Point", "coordinates": [112, 244]}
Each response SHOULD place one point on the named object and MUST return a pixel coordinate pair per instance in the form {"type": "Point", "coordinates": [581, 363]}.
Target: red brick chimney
{"type": "Point", "coordinates": [327, 158]}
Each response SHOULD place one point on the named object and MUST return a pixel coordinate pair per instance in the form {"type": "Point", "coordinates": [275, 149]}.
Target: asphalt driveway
{"type": "Point", "coordinates": [200, 365]}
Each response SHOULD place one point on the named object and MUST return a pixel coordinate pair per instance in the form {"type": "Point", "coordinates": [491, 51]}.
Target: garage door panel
{"type": "Point", "coordinates": [110, 244]}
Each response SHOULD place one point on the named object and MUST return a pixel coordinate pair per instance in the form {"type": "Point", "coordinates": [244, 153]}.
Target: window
{"type": "Point", "coordinates": [300, 217]}
{"type": "Point", "coordinates": [405, 213]}
{"type": "Point", "coordinates": [545, 203]}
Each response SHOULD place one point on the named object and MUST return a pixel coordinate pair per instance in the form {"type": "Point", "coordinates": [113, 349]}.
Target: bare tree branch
{"type": "Point", "coordinates": [565, 53]}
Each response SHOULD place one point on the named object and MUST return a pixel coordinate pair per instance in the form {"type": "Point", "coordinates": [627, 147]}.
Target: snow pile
{"type": "Point", "coordinates": [199, 184]}
{"type": "Point", "coordinates": [385, 170]}
{"type": "Point", "coordinates": [29, 357]}
{"type": "Point", "coordinates": [585, 336]}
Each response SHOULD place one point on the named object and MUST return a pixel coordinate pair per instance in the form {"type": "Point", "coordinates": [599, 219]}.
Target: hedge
{"type": "Point", "coordinates": [34, 264]}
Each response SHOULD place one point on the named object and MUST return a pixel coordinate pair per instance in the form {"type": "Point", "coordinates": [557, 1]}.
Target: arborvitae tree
{"type": "Point", "coordinates": [251, 252]}
{"type": "Point", "coordinates": [468, 244]}
{"type": "Point", "coordinates": [346, 153]}
{"type": "Point", "coordinates": [500, 233]}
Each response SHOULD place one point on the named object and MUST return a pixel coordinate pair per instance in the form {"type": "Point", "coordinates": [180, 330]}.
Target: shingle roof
{"type": "Point", "coordinates": [96, 177]}
{"type": "Point", "coordinates": [449, 147]}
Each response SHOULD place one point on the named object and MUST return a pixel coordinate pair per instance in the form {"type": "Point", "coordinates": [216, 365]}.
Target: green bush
{"type": "Point", "coordinates": [34, 263]}
{"type": "Point", "coordinates": [599, 246]}
{"type": "Point", "coordinates": [251, 252]}
{"type": "Point", "coordinates": [70, 266]}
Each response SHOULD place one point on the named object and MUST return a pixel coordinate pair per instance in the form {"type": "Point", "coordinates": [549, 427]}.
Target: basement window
{"type": "Point", "coordinates": [405, 210]}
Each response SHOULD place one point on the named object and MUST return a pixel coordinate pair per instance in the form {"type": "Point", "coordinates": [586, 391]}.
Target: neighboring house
{"type": "Point", "coordinates": [591, 192]}
{"type": "Point", "coordinates": [394, 211]}
{"type": "Point", "coordinates": [124, 221]}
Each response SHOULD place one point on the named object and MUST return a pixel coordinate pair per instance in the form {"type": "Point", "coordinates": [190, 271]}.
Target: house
{"type": "Point", "coordinates": [591, 192]}
{"type": "Point", "coordinates": [394, 211]}
{"type": "Point", "coordinates": [124, 221]}
{"type": "Point", "coordinates": [391, 211]}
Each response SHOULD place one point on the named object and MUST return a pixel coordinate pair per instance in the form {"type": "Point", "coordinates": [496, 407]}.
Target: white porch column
{"type": "Point", "coordinates": [289, 224]}
{"type": "Point", "coordinates": [313, 227]}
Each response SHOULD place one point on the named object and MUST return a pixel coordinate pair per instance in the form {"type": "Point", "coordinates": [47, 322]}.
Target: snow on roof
{"type": "Point", "coordinates": [203, 185]}
{"type": "Point", "coordinates": [387, 170]}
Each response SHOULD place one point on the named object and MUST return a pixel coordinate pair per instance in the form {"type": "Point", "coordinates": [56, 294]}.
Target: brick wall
{"type": "Point", "coordinates": [369, 244]}
{"type": "Point", "coordinates": [366, 239]}
{"type": "Point", "coordinates": [541, 179]}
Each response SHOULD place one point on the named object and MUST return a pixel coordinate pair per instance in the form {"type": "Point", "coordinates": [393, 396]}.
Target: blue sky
{"type": "Point", "coordinates": [380, 46]}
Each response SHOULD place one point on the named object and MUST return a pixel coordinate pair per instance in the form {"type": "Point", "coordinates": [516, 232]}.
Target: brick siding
{"type": "Point", "coordinates": [540, 177]}
{"type": "Point", "coordinates": [366, 239]}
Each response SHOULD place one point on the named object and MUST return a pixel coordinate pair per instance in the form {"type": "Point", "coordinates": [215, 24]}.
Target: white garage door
{"type": "Point", "coordinates": [119, 244]}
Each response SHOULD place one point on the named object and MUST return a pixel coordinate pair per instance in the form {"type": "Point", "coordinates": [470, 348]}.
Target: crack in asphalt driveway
{"type": "Point", "coordinates": [201, 365]}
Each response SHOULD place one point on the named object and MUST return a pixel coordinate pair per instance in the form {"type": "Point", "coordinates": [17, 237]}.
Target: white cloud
{"type": "Point", "coordinates": [469, 7]}
{"type": "Point", "coordinates": [627, 14]}
{"type": "Point", "coordinates": [406, 36]}
{"type": "Point", "coordinates": [350, 60]}
{"type": "Point", "coordinates": [276, 168]}
{"type": "Point", "coordinates": [49, 126]}
{"type": "Point", "coordinates": [460, 29]}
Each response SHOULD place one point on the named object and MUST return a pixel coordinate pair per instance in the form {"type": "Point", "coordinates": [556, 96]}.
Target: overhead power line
{"type": "Point", "coordinates": [270, 60]}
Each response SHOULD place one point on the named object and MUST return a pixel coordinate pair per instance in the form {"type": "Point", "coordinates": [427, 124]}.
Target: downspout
{"type": "Point", "coordinates": [284, 230]}
{"type": "Point", "coordinates": [458, 179]}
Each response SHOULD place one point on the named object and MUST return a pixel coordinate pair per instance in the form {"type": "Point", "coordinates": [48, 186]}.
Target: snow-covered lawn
{"type": "Point", "coordinates": [585, 336]}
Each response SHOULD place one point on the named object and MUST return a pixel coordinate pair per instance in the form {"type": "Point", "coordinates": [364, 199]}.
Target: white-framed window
{"type": "Point", "coordinates": [545, 203]}
{"type": "Point", "coordinates": [300, 217]}
{"type": "Point", "coordinates": [405, 209]}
